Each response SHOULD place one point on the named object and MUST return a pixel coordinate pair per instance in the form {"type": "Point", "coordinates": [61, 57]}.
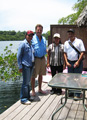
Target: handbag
{"type": "Point", "coordinates": [76, 50]}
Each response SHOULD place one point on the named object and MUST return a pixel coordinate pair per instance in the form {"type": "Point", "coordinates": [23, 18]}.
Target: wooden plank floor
{"type": "Point", "coordinates": [43, 107]}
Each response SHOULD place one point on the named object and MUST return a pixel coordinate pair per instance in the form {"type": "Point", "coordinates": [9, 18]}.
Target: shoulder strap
{"type": "Point", "coordinates": [74, 47]}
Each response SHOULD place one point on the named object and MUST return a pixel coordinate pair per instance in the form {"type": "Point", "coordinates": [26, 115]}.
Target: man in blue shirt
{"type": "Point", "coordinates": [39, 45]}
{"type": "Point", "coordinates": [25, 57]}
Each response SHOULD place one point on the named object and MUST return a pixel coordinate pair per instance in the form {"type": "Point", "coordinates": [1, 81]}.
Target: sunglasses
{"type": "Point", "coordinates": [30, 35]}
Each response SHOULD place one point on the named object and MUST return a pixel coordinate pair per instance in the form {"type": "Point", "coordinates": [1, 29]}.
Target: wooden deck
{"type": "Point", "coordinates": [43, 107]}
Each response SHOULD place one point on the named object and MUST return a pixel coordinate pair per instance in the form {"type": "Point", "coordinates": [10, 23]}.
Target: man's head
{"type": "Point", "coordinates": [71, 34]}
{"type": "Point", "coordinates": [71, 30]}
{"type": "Point", "coordinates": [39, 30]}
{"type": "Point", "coordinates": [29, 35]}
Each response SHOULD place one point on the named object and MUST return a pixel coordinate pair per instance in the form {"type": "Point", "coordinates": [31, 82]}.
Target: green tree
{"type": "Point", "coordinates": [70, 19]}
{"type": "Point", "coordinates": [12, 32]}
{"type": "Point", "coordinates": [12, 35]}
{"type": "Point", "coordinates": [8, 65]}
{"type": "Point", "coordinates": [46, 34]}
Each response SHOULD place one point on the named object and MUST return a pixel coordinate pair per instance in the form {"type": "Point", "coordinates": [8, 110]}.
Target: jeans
{"type": "Point", "coordinates": [75, 70]}
{"type": "Point", "coordinates": [25, 89]}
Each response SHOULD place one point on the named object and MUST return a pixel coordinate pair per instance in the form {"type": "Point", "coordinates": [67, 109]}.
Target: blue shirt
{"type": "Point", "coordinates": [25, 54]}
{"type": "Point", "coordinates": [39, 46]}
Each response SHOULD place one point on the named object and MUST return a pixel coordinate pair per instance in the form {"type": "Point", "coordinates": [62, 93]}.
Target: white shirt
{"type": "Point", "coordinates": [71, 53]}
{"type": "Point", "coordinates": [56, 54]}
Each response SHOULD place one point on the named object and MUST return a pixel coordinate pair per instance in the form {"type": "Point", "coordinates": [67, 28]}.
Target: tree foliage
{"type": "Point", "coordinates": [70, 19]}
{"type": "Point", "coordinates": [46, 34]}
{"type": "Point", "coordinates": [8, 65]}
{"type": "Point", "coordinates": [13, 35]}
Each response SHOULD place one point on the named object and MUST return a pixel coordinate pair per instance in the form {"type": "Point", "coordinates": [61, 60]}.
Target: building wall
{"type": "Point", "coordinates": [81, 32]}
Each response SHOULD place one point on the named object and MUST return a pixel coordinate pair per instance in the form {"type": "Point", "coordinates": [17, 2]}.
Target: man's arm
{"type": "Point", "coordinates": [79, 60]}
{"type": "Point", "coordinates": [66, 61]}
{"type": "Point", "coordinates": [48, 57]}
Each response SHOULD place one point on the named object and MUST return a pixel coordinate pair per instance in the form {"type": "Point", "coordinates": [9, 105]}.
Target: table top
{"type": "Point", "coordinates": [69, 81]}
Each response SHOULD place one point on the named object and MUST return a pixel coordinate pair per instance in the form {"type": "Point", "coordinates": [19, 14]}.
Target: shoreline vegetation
{"type": "Point", "coordinates": [8, 65]}
{"type": "Point", "coordinates": [13, 35]}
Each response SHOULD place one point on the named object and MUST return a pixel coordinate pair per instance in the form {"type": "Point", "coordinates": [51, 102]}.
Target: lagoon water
{"type": "Point", "coordinates": [14, 47]}
{"type": "Point", "coordinates": [10, 90]}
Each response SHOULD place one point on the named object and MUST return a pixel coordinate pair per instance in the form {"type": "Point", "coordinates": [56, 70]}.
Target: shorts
{"type": "Point", "coordinates": [40, 67]}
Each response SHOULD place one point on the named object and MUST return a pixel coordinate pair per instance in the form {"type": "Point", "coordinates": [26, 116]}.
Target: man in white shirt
{"type": "Point", "coordinates": [72, 58]}
{"type": "Point", "coordinates": [74, 64]}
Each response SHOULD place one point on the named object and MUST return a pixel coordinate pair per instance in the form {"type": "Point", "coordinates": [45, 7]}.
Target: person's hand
{"type": "Point", "coordinates": [68, 64]}
{"type": "Point", "coordinates": [76, 64]}
{"type": "Point", "coordinates": [20, 70]}
{"type": "Point", "coordinates": [48, 65]}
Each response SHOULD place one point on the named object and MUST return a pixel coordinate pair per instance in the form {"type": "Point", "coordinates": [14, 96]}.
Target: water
{"type": "Point", "coordinates": [14, 47]}
{"type": "Point", "coordinates": [10, 90]}
{"type": "Point", "coordinates": [9, 93]}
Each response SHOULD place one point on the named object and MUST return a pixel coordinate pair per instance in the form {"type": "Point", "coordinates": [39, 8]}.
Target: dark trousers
{"type": "Point", "coordinates": [77, 69]}
{"type": "Point", "coordinates": [54, 70]}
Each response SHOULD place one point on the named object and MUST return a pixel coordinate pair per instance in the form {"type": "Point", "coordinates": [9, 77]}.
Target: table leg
{"type": "Point", "coordinates": [62, 105]}
{"type": "Point", "coordinates": [84, 101]}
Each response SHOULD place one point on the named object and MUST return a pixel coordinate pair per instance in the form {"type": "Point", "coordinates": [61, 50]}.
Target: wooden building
{"type": "Point", "coordinates": [81, 32]}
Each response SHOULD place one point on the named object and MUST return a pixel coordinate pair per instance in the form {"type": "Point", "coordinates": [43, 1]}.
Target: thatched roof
{"type": "Point", "coordinates": [82, 19]}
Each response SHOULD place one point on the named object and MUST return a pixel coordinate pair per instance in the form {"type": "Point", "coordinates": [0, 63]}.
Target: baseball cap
{"type": "Point", "coordinates": [29, 32]}
{"type": "Point", "coordinates": [56, 35]}
{"type": "Point", "coordinates": [71, 30]}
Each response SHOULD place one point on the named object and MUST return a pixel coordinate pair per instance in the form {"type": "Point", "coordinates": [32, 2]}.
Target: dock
{"type": "Point", "coordinates": [44, 106]}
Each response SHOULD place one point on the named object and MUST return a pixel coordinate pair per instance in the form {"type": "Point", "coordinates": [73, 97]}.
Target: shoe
{"type": "Point", "coordinates": [52, 92]}
{"type": "Point", "coordinates": [70, 94]}
{"type": "Point", "coordinates": [78, 95]}
{"type": "Point", "coordinates": [59, 91]}
{"type": "Point", "coordinates": [75, 98]}
{"type": "Point", "coordinates": [31, 98]}
{"type": "Point", "coordinates": [26, 103]}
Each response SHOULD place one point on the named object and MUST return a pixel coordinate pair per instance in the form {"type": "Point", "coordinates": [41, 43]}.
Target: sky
{"type": "Point", "coordinates": [23, 15]}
